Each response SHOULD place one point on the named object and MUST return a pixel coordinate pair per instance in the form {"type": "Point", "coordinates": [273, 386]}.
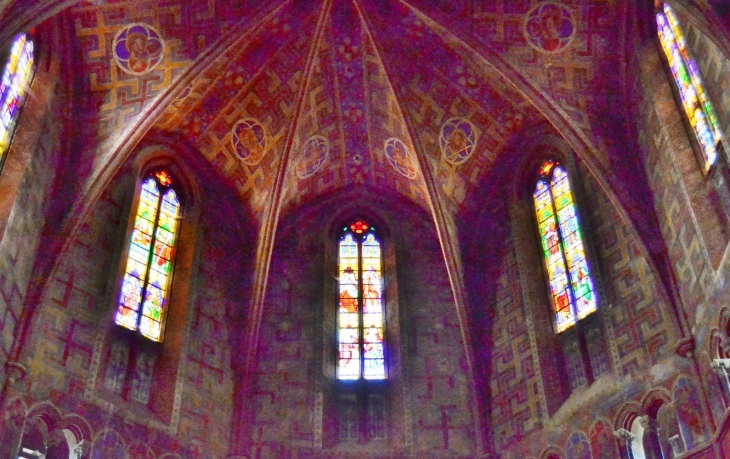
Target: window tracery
{"type": "Point", "coordinates": [572, 291]}
{"type": "Point", "coordinates": [695, 102]}
{"type": "Point", "coordinates": [570, 282]}
{"type": "Point", "coordinates": [145, 287]}
{"type": "Point", "coordinates": [360, 315]}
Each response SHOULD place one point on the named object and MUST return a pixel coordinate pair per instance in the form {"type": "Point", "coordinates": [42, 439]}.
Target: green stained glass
{"type": "Point", "coordinates": [360, 313]}
{"type": "Point", "coordinates": [571, 287]}
{"type": "Point", "coordinates": [149, 262]}
{"type": "Point", "coordinates": [687, 77]}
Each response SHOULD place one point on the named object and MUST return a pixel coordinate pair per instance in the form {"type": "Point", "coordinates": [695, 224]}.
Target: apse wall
{"type": "Point", "coordinates": [67, 350]}
{"type": "Point", "coordinates": [28, 177]}
{"type": "Point", "coordinates": [297, 407]}
{"type": "Point", "coordinates": [692, 207]}
{"type": "Point", "coordinates": [529, 400]}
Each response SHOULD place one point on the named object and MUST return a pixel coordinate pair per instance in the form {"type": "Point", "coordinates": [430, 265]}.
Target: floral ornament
{"type": "Point", "coordinates": [249, 141]}
{"type": "Point", "coordinates": [138, 48]}
{"type": "Point", "coordinates": [549, 27]}
{"type": "Point", "coordinates": [313, 155]}
{"type": "Point", "coordinates": [457, 140]}
{"type": "Point", "coordinates": [400, 157]}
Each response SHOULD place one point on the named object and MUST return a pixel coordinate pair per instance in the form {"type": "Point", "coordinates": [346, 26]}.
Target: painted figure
{"type": "Point", "coordinates": [348, 291]}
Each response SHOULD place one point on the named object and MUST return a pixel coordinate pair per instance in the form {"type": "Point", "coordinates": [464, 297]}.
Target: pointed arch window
{"type": "Point", "coordinates": [572, 290]}
{"type": "Point", "coordinates": [361, 311]}
{"type": "Point", "coordinates": [13, 88]}
{"type": "Point", "coordinates": [695, 101]}
{"type": "Point", "coordinates": [144, 294]}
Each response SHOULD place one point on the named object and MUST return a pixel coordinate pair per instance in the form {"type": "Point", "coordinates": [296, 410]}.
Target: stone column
{"type": "Point", "coordinates": [626, 438]}
{"type": "Point", "coordinates": [722, 368]}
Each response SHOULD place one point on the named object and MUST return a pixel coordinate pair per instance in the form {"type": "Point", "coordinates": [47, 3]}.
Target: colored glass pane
{"type": "Point", "coordinates": [139, 254]}
{"type": "Point", "coordinates": [149, 264]}
{"type": "Point", "coordinates": [571, 286]}
{"type": "Point", "coordinates": [695, 102]}
{"type": "Point", "coordinates": [360, 316]}
{"type": "Point", "coordinates": [15, 80]}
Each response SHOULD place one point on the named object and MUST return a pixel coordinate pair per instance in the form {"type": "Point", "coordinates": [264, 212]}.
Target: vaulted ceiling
{"type": "Point", "coordinates": [294, 99]}
{"type": "Point", "coordinates": [325, 84]}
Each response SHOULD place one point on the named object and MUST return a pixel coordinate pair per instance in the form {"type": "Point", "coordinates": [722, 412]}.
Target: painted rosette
{"type": "Point", "coordinates": [400, 157]}
{"type": "Point", "coordinates": [313, 156]}
{"type": "Point", "coordinates": [138, 48]}
{"type": "Point", "coordinates": [457, 140]}
{"type": "Point", "coordinates": [249, 141]}
{"type": "Point", "coordinates": [549, 27]}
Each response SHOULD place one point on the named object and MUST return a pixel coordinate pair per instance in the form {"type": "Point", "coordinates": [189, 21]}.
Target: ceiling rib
{"type": "Point", "coordinates": [267, 234]}
{"type": "Point", "coordinates": [446, 233]}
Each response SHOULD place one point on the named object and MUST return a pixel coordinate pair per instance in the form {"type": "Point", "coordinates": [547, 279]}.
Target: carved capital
{"type": "Point", "coordinates": [648, 423]}
{"type": "Point", "coordinates": [721, 366]}
{"type": "Point", "coordinates": [676, 443]}
{"type": "Point", "coordinates": [624, 435]}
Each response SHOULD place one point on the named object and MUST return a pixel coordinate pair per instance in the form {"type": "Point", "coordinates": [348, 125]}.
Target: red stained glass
{"type": "Point", "coordinates": [361, 312]}
{"type": "Point", "coordinates": [13, 87]}
{"type": "Point", "coordinates": [571, 285]}
{"type": "Point", "coordinates": [149, 262]}
{"type": "Point", "coordinates": [359, 227]}
{"type": "Point", "coordinates": [687, 77]}
{"type": "Point", "coordinates": [164, 178]}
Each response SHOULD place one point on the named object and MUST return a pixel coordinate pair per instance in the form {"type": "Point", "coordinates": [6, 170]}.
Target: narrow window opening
{"type": "Point", "coordinates": [695, 102]}
{"type": "Point", "coordinates": [361, 312]}
{"type": "Point", "coordinates": [148, 271]}
{"type": "Point", "coordinates": [16, 79]}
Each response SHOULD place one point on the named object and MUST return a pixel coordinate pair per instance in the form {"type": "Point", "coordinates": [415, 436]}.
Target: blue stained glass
{"type": "Point", "coordinates": [571, 285]}
{"type": "Point", "coordinates": [360, 312]}
{"type": "Point", "coordinates": [149, 261]}
{"type": "Point", "coordinates": [694, 98]}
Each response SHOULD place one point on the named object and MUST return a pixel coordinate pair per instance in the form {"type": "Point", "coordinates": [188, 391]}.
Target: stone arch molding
{"type": "Point", "coordinates": [61, 433]}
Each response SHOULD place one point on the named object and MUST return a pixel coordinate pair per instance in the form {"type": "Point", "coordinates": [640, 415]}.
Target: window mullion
{"type": "Point", "coordinates": [360, 305]}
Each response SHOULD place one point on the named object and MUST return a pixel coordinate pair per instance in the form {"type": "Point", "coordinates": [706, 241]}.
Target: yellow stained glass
{"type": "Point", "coordinates": [360, 312]}
{"type": "Point", "coordinates": [149, 264]}
{"type": "Point", "coordinates": [571, 286]}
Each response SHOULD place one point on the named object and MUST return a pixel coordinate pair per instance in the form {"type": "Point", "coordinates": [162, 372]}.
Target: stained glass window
{"type": "Point", "coordinates": [571, 286]}
{"type": "Point", "coordinates": [689, 82]}
{"type": "Point", "coordinates": [145, 286]}
{"type": "Point", "coordinates": [16, 78]}
{"type": "Point", "coordinates": [360, 315]}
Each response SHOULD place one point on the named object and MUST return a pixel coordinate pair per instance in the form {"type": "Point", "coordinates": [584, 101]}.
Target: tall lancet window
{"type": "Point", "coordinates": [145, 288]}
{"type": "Point", "coordinates": [687, 77]}
{"type": "Point", "coordinates": [13, 87]}
{"type": "Point", "coordinates": [360, 317]}
{"type": "Point", "coordinates": [571, 286]}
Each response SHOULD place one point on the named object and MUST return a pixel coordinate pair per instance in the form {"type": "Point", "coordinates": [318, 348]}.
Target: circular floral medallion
{"type": "Point", "coordinates": [549, 27]}
{"type": "Point", "coordinates": [313, 155]}
{"type": "Point", "coordinates": [400, 157]}
{"type": "Point", "coordinates": [457, 140]}
{"type": "Point", "coordinates": [249, 139]}
{"type": "Point", "coordinates": [138, 48]}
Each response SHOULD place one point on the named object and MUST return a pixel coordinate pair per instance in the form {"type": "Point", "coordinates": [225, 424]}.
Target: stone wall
{"type": "Point", "coordinates": [66, 351]}
{"type": "Point", "coordinates": [428, 410]}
